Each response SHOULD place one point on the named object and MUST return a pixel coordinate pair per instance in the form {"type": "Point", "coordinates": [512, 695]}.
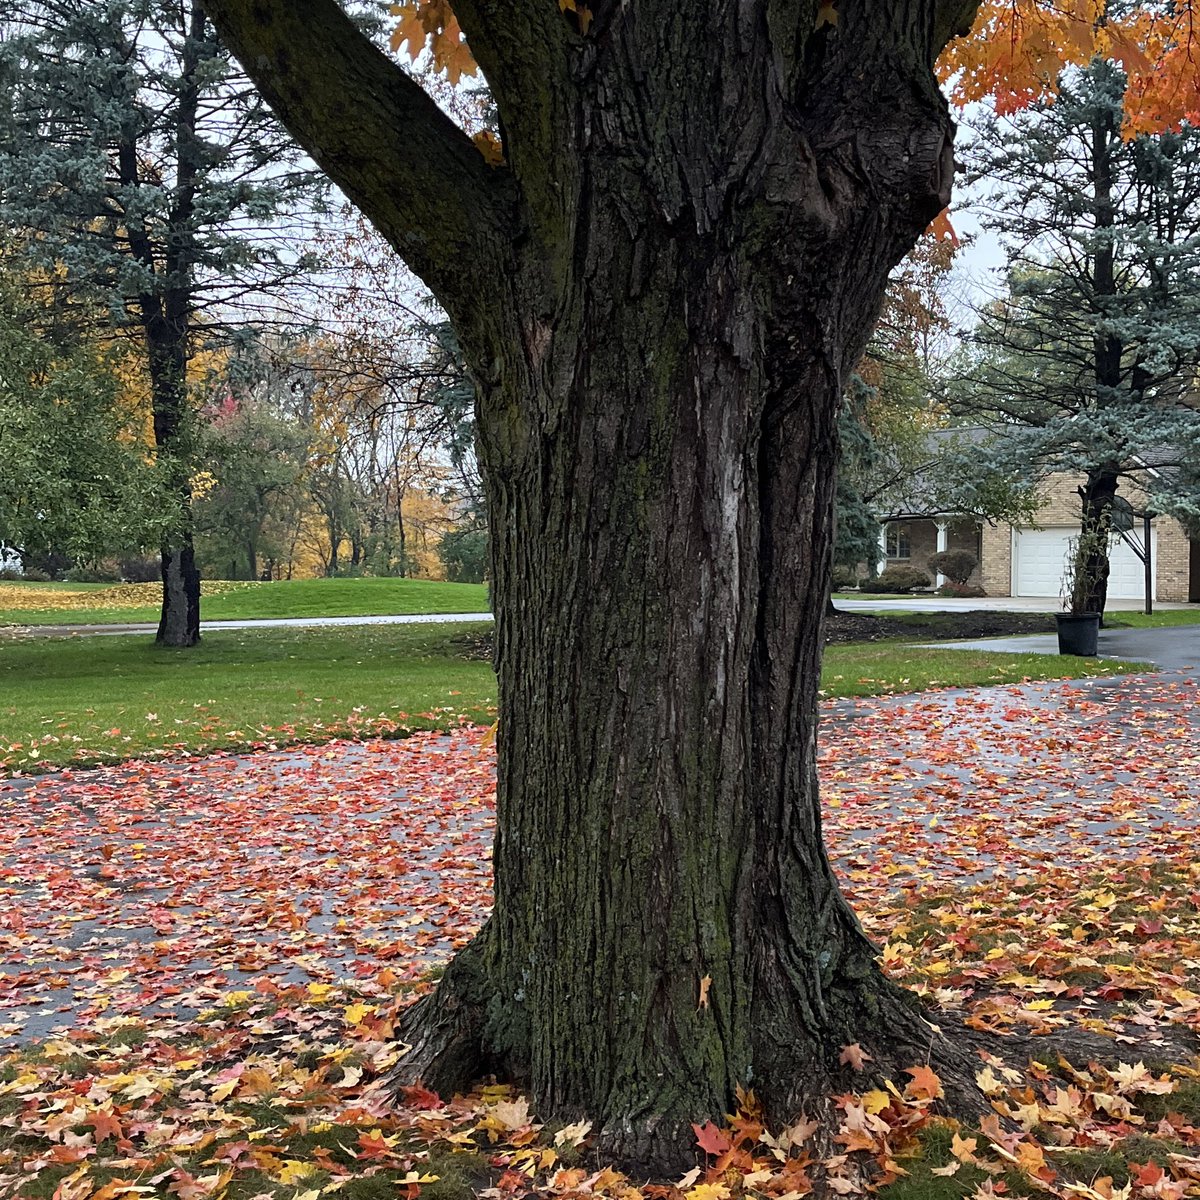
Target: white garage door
{"type": "Point", "coordinates": [1041, 554]}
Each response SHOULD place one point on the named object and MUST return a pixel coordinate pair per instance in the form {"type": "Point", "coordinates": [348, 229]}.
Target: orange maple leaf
{"type": "Point", "coordinates": [925, 1084]}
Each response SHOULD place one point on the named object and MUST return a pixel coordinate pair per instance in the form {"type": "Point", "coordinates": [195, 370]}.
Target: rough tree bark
{"type": "Point", "coordinates": [1097, 494]}
{"type": "Point", "coordinates": [659, 297]}
{"type": "Point", "coordinates": [166, 342]}
{"type": "Point", "coordinates": [1100, 487]}
{"type": "Point", "coordinates": [165, 319]}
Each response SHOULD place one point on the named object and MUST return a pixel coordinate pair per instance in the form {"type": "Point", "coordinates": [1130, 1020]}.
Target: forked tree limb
{"type": "Point", "coordinates": [381, 138]}
{"type": "Point", "coordinates": [524, 48]}
{"type": "Point", "coordinates": [954, 18]}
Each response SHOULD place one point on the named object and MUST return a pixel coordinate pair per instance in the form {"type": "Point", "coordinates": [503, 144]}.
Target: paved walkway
{"type": "Point", "coordinates": [156, 888]}
{"type": "Point", "coordinates": [261, 623]}
{"type": "Point", "coordinates": [1175, 647]}
{"type": "Point", "coordinates": [985, 604]}
{"type": "Point", "coordinates": [907, 604]}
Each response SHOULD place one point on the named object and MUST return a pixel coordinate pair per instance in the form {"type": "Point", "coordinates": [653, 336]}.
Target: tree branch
{"type": "Point", "coordinates": [523, 48]}
{"type": "Point", "coordinates": [415, 175]}
{"type": "Point", "coordinates": [952, 18]}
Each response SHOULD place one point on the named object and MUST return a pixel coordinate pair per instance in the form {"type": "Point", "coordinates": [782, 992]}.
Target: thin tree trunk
{"type": "Point", "coordinates": [402, 536]}
{"type": "Point", "coordinates": [335, 541]}
{"type": "Point", "coordinates": [1097, 494]}
{"type": "Point", "coordinates": [166, 337]}
{"type": "Point", "coordinates": [1101, 484]}
{"type": "Point", "coordinates": [165, 322]}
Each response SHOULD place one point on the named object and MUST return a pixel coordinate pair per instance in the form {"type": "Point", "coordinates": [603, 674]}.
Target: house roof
{"type": "Point", "coordinates": [917, 498]}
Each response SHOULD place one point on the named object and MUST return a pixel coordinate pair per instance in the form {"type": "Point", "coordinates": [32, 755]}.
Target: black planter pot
{"type": "Point", "coordinates": [1078, 633]}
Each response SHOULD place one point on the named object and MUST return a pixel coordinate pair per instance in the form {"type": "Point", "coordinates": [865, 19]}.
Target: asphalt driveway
{"type": "Point", "coordinates": [1173, 648]}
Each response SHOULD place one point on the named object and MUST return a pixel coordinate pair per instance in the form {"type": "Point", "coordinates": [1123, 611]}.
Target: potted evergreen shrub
{"type": "Point", "coordinates": [1079, 627]}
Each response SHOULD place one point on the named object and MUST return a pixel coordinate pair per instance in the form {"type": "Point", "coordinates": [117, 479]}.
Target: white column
{"type": "Point", "coordinates": [883, 539]}
{"type": "Point", "coordinates": [943, 543]}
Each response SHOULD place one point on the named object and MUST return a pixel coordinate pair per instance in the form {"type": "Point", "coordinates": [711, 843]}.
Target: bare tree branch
{"type": "Point", "coordinates": [383, 140]}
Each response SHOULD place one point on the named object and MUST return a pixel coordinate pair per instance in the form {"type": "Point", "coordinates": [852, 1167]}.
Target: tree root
{"type": "Point", "coordinates": [452, 1045]}
{"type": "Point", "coordinates": [444, 1031]}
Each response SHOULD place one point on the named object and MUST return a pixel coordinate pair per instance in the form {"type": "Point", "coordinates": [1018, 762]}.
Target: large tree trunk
{"type": "Point", "coordinates": [687, 249]}
{"type": "Point", "coordinates": [666, 923]}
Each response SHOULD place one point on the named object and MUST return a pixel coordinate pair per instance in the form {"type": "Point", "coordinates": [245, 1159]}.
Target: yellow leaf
{"type": "Point", "coordinates": [356, 1012]}
{"type": "Point", "coordinates": [709, 1191]}
{"type": "Point", "coordinates": [293, 1170]}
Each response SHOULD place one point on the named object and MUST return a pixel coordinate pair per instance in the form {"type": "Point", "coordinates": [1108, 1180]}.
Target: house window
{"type": "Point", "coordinates": [897, 542]}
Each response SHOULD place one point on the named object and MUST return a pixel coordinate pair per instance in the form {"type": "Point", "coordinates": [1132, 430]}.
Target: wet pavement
{"type": "Point", "coordinates": [1026, 604]}
{"type": "Point", "coordinates": [1174, 647]}
{"type": "Point", "coordinates": [154, 888]}
{"type": "Point", "coordinates": [157, 889]}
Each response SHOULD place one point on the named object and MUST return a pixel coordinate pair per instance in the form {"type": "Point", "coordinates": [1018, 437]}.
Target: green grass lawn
{"type": "Point", "coordinates": [1161, 619]}
{"type": "Point", "coordinates": [97, 699]}
{"type": "Point", "coordinates": [242, 601]}
{"type": "Point", "coordinates": [881, 668]}
{"type": "Point", "coordinates": [100, 699]}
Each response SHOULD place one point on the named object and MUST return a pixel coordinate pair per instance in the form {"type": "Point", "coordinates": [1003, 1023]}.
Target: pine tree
{"type": "Point", "coordinates": [1088, 364]}
{"type": "Point", "coordinates": [140, 164]}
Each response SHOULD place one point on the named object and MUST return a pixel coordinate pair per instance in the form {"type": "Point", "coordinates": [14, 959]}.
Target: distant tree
{"type": "Point", "coordinates": [464, 552]}
{"type": "Point", "coordinates": [148, 171]}
{"type": "Point", "coordinates": [256, 458]}
{"type": "Point", "coordinates": [898, 454]}
{"type": "Point", "coordinates": [1089, 363]}
{"type": "Point", "coordinates": [75, 484]}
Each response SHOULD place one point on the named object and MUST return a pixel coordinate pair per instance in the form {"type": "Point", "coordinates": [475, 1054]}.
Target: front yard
{"type": "Point", "coordinates": [98, 699]}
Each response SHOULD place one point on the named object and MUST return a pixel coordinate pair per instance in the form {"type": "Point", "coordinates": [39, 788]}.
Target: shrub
{"type": "Point", "coordinates": [956, 565]}
{"type": "Point", "coordinates": [464, 553]}
{"type": "Point", "coordinates": [140, 568]}
{"type": "Point", "coordinates": [970, 590]}
{"type": "Point", "coordinates": [896, 579]}
{"type": "Point", "coordinates": [843, 577]}
{"type": "Point", "coordinates": [101, 572]}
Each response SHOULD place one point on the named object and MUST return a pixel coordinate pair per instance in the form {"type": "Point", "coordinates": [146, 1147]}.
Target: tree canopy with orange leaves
{"type": "Point", "coordinates": [1012, 53]}
{"type": "Point", "coordinates": [1016, 49]}
{"type": "Point", "coordinates": [662, 275]}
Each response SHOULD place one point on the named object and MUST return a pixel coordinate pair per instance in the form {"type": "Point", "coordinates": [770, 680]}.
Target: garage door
{"type": "Point", "coordinates": [1041, 555]}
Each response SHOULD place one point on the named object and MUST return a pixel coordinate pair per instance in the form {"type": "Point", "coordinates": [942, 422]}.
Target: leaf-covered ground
{"type": "Point", "coordinates": [225, 943]}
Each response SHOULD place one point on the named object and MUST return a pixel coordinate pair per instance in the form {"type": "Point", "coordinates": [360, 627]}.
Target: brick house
{"type": "Point", "coordinates": [1029, 561]}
